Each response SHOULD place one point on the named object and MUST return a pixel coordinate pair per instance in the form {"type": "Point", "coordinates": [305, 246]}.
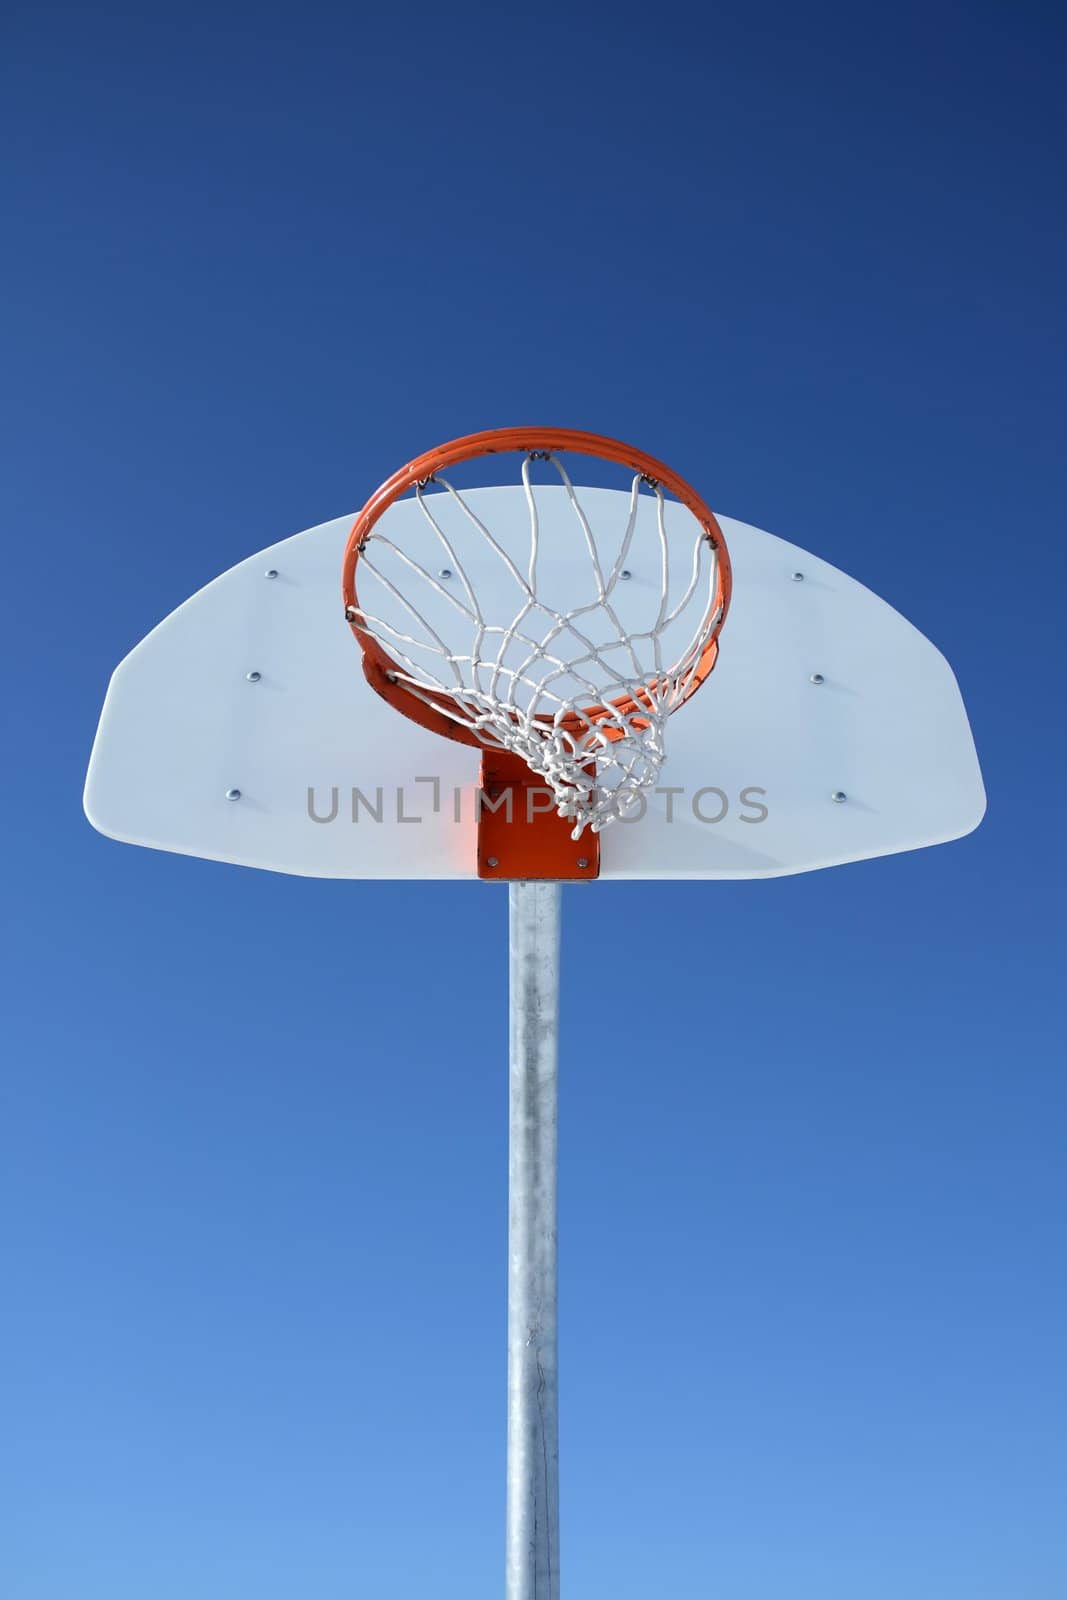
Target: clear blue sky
{"type": "Point", "coordinates": [813, 1182]}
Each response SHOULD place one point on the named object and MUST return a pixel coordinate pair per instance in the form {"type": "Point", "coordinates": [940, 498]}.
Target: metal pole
{"type": "Point", "coordinates": [533, 1393]}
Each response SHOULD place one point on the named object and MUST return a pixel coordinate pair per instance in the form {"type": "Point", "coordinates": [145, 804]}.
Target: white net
{"type": "Point", "coordinates": [475, 627]}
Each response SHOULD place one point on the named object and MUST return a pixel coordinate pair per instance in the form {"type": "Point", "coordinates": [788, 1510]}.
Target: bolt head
{"type": "Point", "coordinates": [626, 574]}
{"type": "Point", "coordinates": [233, 794]}
{"type": "Point", "coordinates": [798, 577]}
{"type": "Point", "coordinates": [492, 861]}
{"type": "Point", "coordinates": [839, 797]}
{"type": "Point", "coordinates": [445, 572]}
{"type": "Point", "coordinates": [271, 572]}
{"type": "Point", "coordinates": [817, 677]}
{"type": "Point", "coordinates": [253, 677]}
{"type": "Point", "coordinates": [583, 861]}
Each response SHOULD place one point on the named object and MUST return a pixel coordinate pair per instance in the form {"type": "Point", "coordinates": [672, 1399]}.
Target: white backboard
{"type": "Point", "coordinates": [768, 772]}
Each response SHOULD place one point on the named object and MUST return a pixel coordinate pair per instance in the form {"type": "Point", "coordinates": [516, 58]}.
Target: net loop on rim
{"type": "Point", "coordinates": [581, 695]}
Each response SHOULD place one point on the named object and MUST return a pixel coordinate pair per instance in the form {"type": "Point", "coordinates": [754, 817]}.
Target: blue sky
{"type": "Point", "coordinates": [812, 1186]}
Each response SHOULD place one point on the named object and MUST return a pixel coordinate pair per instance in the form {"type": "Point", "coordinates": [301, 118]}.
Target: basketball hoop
{"type": "Point", "coordinates": [487, 651]}
{"type": "Point", "coordinates": [556, 629]}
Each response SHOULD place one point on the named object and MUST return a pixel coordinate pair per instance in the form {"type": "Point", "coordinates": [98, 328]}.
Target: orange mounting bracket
{"type": "Point", "coordinates": [520, 832]}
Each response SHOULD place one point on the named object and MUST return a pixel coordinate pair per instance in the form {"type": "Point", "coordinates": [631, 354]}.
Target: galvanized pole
{"type": "Point", "coordinates": [533, 1394]}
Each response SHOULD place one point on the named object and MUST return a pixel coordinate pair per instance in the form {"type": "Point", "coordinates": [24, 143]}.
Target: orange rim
{"type": "Point", "coordinates": [378, 665]}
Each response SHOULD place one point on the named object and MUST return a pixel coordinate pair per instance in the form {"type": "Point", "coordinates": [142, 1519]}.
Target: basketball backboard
{"type": "Point", "coordinates": [242, 729]}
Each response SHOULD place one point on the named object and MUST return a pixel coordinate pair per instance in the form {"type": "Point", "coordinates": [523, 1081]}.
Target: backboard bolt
{"type": "Point", "coordinates": [492, 861]}
{"type": "Point", "coordinates": [839, 797]}
{"type": "Point", "coordinates": [817, 677]}
{"type": "Point", "coordinates": [798, 577]}
{"type": "Point", "coordinates": [233, 794]}
{"type": "Point", "coordinates": [271, 572]}
{"type": "Point", "coordinates": [253, 677]}
{"type": "Point", "coordinates": [625, 573]}
{"type": "Point", "coordinates": [583, 861]}
{"type": "Point", "coordinates": [445, 572]}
